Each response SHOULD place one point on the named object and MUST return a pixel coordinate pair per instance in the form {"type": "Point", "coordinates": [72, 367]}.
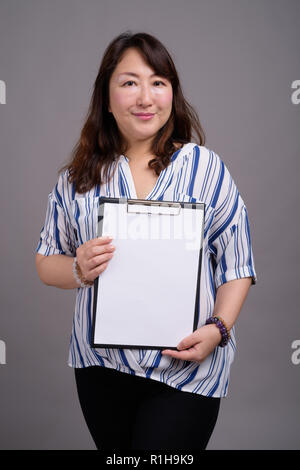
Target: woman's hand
{"type": "Point", "coordinates": [197, 346]}
{"type": "Point", "coordinates": [93, 257]}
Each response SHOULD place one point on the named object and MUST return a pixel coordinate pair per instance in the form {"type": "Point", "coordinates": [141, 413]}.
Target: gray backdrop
{"type": "Point", "coordinates": [237, 61]}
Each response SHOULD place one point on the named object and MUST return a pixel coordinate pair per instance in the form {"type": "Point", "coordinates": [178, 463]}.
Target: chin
{"type": "Point", "coordinates": [145, 135]}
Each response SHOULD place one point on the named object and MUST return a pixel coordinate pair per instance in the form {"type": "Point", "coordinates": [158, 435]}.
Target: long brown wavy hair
{"type": "Point", "coordinates": [100, 141]}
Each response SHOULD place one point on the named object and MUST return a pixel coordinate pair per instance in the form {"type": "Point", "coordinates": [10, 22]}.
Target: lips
{"type": "Point", "coordinates": [143, 114]}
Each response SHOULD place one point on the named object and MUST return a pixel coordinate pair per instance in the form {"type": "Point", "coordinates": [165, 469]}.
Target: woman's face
{"type": "Point", "coordinates": [134, 89]}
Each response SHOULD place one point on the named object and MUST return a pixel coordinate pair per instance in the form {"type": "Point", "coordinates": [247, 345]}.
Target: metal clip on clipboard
{"type": "Point", "coordinates": [143, 202]}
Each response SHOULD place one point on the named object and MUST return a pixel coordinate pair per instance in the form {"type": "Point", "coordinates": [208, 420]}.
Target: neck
{"type": "Point", "coordinates": [139, 151]}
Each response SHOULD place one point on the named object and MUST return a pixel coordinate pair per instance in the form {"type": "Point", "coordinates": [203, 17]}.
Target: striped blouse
{"type": "Point", "coordinates": [195, 174]}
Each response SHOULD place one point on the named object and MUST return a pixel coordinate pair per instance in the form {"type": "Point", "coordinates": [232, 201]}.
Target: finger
{"type": "Point", "coordinates": [98, 260]}
{"type": "Point", "coordinates": [91, 249]}
{"type": "Point", "coordinates": [183, 355]}
{"type": "Point", "coordinates": [102, 240]}
{"type": "Point", "coordinates": [97, 271]}
{"type": "Point", "coordinates": [189, 341]}
{"type": "Point", "coordinates": [97, 242]}
{"type": "Point", "coordinates": [94, 253]}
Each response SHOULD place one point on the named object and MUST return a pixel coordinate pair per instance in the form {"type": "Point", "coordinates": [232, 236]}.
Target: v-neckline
{"type": "Point", "coordinates": [132, 184]}
{"type": "Point", "coordinates": [132, 188]}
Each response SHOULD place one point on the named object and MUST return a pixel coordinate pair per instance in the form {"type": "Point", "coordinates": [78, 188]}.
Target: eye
{"type": "Point", "coordinates": [159, 81]}
{"type": "Point", "coordinates": [129, 81]}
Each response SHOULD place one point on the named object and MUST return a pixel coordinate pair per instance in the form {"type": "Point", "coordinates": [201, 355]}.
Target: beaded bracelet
{"type": "Point", "coordinates": [79, 277]}
{"type": "Point", "coordinates": [219, 322]}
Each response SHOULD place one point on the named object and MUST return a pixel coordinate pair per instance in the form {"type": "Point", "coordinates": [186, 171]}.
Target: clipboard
{"type": "Point", "coordinates": [148, 296]}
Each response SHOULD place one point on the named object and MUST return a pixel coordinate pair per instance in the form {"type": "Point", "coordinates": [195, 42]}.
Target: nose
{"type": "Point", "coordinates": [145, 97]}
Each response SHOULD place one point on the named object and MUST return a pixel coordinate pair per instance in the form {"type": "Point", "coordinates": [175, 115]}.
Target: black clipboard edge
{"type": "Point", "coordinates": [102, 200]}
{"type": "Point", "coordinates": [194, 205]}
{"type": "Point", "coordinates": [125, 346]}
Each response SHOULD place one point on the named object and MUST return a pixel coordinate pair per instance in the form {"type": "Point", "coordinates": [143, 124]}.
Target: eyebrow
{"type": "Point", "coordinates": [137, 76]}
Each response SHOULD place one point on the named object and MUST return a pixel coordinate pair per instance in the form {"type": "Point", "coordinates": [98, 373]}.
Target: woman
{"type": "Point", "coordinates": [137, 143]}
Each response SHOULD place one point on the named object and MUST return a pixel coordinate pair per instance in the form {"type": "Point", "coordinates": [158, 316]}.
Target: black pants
{"type": "Point", "coordinates": [124, 411]}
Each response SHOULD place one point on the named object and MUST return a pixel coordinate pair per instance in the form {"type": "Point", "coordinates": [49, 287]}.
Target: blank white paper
{"type": "Point", "coordinates": [146, 296]}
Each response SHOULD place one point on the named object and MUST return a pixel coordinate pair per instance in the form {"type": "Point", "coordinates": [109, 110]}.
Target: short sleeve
{"type": "Point", "coordinates": [229, 238]}
{"type": "Point", "coordinates": [57, 235]}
